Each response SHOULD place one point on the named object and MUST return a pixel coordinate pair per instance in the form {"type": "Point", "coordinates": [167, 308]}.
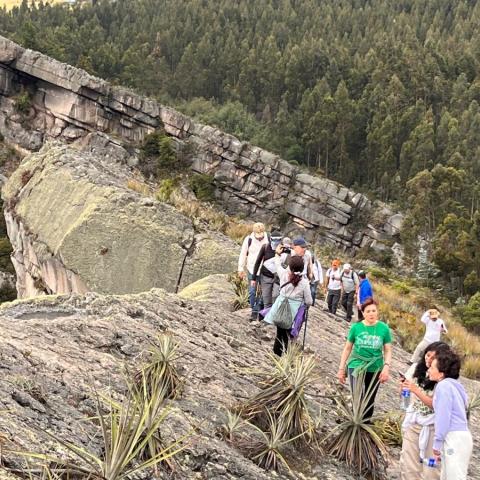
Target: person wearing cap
{"type": "Point", "coordinates": [350, 284]}
{"type": "Point", "coordinates": [365, 292]}
{"type": "Point", "coordinates": [248, 256]}
{"type": "Point", "coordinates": [333, 285]}
{"type": "Point", "coordinates": [265, 270]}
{"type": "Point", "coordinates": [435, 326]}
{"type": "Point", "coordinates": [300, 248]}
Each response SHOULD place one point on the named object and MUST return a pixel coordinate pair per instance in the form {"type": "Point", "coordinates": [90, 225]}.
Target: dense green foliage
{"type": "Point", "coordinates": [382, 96]}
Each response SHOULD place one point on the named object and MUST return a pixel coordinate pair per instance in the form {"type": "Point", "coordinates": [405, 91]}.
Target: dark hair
{"type": "Point", "coordinates": [362, 274]}
{"type": "Point", "coordinates": [369, 301]}
{"type": "Point", "coordinates": [420, 372]}
{"type": "Point", "coordinates": [296, 265]}
{"type": "Point", "coordinates": [448, 363]}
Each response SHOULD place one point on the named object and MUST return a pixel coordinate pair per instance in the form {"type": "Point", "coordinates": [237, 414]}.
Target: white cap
{"type": "Point", "coordinates": [347, 266]}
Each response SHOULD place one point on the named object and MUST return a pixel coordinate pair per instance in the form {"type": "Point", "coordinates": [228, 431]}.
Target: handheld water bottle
{"type": "Point", "coordinates": [429, 462]}
{"type": "Point", "coordinates": [405, 399]}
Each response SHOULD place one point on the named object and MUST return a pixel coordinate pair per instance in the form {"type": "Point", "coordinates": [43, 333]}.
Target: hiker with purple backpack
{"type": "Point", "coordinates": [294, 294]}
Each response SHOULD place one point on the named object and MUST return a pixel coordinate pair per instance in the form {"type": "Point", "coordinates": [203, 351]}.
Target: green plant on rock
{"type": "Point", "coordinates": [23, 102]}
{"type": "Point", "coordinates": [165, 189]}
{"type": "Point", "coordinates": [283, 395]}
{"type": "Point", "coordinates": [389, 428]}
{"type": "Point", "coordinates": [203, 186]}
{"type": "Point", "coordinates": [354, 440]}
{"type": "Point", "coordinates": [240, 288]}
{"type": "Point", "coordinates": [231, 426]}
{"type": "Point", "coordinates": [167, 157]}
{"type": "Point", "coordinates": [160, 371]}
{"type": "Point", "coordinates": [473, 403]}
{"type": "Point", "coordinates": [126, 431]}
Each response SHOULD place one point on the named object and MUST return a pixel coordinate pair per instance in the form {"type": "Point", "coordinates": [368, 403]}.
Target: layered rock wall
{"type": "Point", "coordinates": [67, 104]}
{"type": "Point", "coordinates": [75, 226]}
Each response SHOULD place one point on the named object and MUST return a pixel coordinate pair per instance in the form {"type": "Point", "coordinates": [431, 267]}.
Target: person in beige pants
{"type": "Point", "coordinates": [418, 425]}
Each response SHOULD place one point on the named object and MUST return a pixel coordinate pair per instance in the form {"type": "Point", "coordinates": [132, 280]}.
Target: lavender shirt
{"type": "Point", "coordinates": [449, 403]}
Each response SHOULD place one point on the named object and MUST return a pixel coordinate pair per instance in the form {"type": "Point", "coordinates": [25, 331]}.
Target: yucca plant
{"type": "Point", "coordinates": [354, 440]}
{"type": "Point", "coordinates": [240, 288]}
{"type": "Point", "coordinates": [266, 451]}
{"type": "Point", "coordinates": [389, 428]}
{"type": "Point", "coordinates": [473, 403]}
{"type": "Point", "coordinates": [282, 394]}
{"type": "Point", "coordinates": [161, 372]}
{"type": "Point", "coordinates": [126, 431]}
{"type": "Point", "coordinates": [231, 426]}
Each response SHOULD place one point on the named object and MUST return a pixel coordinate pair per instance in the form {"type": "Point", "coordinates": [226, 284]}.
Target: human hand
{"type": "Point", "coordinates": [384, 374]}
{"type": "Point", "coordinates": [253, 283]}
{"type": "Point", "coordinates": [341, 376]}
{"type": "Point", "coordinates": [279, 249]}
{"type": "Point", "coordinates": [437, 455]}
{"type": "Point", "coordinates": [241, 275]}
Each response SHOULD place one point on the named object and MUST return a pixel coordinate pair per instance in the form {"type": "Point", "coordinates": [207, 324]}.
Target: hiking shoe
{"type": "Point", "coordinates": [253, 316]}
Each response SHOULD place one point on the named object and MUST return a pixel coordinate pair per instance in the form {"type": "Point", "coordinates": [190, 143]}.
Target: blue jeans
{"type": "Point", "coordinates": [255, 302]}
{"type": "Point", "coordinates": [313, 291]}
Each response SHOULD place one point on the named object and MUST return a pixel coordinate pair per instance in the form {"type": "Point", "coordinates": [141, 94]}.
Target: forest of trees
{"type": "Point", "coordinates": [380, 95]}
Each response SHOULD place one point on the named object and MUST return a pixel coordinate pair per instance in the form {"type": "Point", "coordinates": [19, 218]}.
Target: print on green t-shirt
{"type": "Point", "coordinates": [368, 342]}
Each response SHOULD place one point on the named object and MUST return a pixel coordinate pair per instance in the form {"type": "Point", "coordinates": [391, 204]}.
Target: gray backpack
{"type": "Point", "coordinates": [283, 316]}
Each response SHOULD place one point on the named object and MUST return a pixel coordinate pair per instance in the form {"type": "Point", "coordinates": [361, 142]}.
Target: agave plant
{"type": "Point", "coordinates": [282, 394]}
{"type": "Point", "coordinates": [266, 451]}
{"type": "Point", "coordinates": [473, 403]}
{"type": "Point", "coordinates": [127, 430]}
{"type": "Point", "coordinates": [240, 288]}
{"type": "Point", "coordinates": [161, 372]}
{"type": "Point", "coordinates": [231, 426]}
{"type": "Point", "coordinates": [389, 428]}
{"type": "Point", "coordinates": [354, 440]}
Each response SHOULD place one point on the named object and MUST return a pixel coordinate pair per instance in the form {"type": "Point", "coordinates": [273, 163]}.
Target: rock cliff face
{"type": "Point", "coordinates": [65, 103]}
{"type": "Point", "coordinates": [75, 226]}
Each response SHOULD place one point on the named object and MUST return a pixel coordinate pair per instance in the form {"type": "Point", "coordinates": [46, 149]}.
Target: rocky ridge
{"type": "Point", "coordinates": [76, 226]}
{"type": "Point", "coordinates": [55, 349]}
{"type": "Point", "coordinates": [66, 103]}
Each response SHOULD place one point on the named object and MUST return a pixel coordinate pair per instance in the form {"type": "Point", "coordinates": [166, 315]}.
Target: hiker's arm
{"type": "Point", "coordinates": [242, 259]}
{"type": "Point", "coordinates": [347, 350]}
{"type": "Point", "coordinates": [320, 273]}
{"type": "Point", "coordinates": [425, 317]}
{"type": "Point", "coordinates": [307, 294]}
{"type": "Point", "coordinates": [387, 355]}
{"type": "Point", "coordinates": [260, 256]}
{"type": "Point", "coordinates": [444, 327]}
{"type": "Point", "coordinates": [420, 394]}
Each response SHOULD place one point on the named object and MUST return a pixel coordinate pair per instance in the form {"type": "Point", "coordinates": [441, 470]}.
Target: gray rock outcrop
{"type": "Point", "coordinates": [56, 349]}
{"type": "Point", "coordinates": [75, 226]}
{"type": "Point", "coordinates": [66, 103]}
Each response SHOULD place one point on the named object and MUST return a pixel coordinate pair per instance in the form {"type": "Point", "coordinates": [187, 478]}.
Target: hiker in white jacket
{"type": "Point", "coordinates": [435, 326]}
{"type": "Point", "coordinates": [248, 255]}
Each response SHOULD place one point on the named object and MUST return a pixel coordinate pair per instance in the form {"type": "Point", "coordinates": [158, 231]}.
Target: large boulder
{"type": "Point", "coordinates": [76, 226]}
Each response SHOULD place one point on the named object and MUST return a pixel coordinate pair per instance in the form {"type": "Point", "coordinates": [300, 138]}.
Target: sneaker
{"type": "Point", "coordinates": [254, 316]}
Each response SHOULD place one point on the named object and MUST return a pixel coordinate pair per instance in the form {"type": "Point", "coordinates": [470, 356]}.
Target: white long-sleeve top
{"type": "Point", "coordinates": [434, 328]}
{"type": "Point", "coordinates": [248, 255]}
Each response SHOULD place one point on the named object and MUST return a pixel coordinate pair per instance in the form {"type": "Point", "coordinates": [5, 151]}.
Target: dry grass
{"type": "Point", "coordinates": [402, 311]}
{"type": "Point", "coordinates": [138, 187]}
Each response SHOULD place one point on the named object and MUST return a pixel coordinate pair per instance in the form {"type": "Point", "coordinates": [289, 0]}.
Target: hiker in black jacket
{"type": "Point", "coordinates": [265, 270]}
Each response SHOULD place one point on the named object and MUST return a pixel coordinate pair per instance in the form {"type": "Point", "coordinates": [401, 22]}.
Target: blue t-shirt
{"type": "Point", "coordinates": [365, 290]}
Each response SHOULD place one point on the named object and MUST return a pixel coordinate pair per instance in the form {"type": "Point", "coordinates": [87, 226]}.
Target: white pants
{"type": "Point", "coordinates": [456, 452]}
{"type": "Point", "coordinates": [417, 354]}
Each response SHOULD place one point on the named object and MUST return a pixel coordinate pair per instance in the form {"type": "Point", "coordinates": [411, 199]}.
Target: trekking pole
{"type": "Point", "coordinates": [305, 329]}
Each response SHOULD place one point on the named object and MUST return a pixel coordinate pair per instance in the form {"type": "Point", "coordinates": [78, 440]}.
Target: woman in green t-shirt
{"type": "Point", "coordinates": [368, 349]}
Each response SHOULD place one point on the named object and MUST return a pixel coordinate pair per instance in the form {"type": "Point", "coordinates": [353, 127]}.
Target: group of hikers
{"type": "Point", "coordinates": [437, 443]}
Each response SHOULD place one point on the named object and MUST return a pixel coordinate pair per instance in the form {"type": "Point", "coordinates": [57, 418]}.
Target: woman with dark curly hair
{"type": "Point", "coordinates": [368, 351]}
{"type": "Point", "coordinates": [452, 441]}
{"type": "Point", "coordinates": [417, 427]}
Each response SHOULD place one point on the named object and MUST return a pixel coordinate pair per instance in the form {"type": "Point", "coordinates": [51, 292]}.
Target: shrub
{"type": "Point", "coordinates": [380, 274]}
{"type": "Point", "coordinates": [23, 102]}
{"type": "Point", "coordinates": [165, 189]}
{"type": "Point", "coordinates": [240, 288]}
{"type": "Point", "coordinates": [389, 428]}
{"type": "Point", "coordinates": [471, 313]}
{"type": "Point", "coordinates": [401, 287]}
{"type": "Point", "coordinates": [203, 185]}
{"type": "Point", "coordinates": [167, 157]}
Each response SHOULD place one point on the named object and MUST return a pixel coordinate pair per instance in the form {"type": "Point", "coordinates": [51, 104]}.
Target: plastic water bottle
{"type": "Point", "coordinates": [429, 462]}
{"type": "Point", "coordinates": [405, 399]}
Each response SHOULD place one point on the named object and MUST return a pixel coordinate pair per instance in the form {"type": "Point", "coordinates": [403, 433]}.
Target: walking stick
{"type": "Point", "coordinates": [305, 329]}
